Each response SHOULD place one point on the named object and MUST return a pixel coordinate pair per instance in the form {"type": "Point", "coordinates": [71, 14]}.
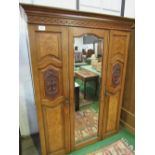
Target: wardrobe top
{"type": "Point", "coordinates": [49, 15]}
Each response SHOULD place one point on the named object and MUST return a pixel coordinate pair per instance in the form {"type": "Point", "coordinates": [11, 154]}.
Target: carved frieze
{"type": "Point", "coordinates": [77, 22]}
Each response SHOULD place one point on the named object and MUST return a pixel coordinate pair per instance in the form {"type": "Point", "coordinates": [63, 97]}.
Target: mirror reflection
{"type": "Point", "coordinates": [88, 54]}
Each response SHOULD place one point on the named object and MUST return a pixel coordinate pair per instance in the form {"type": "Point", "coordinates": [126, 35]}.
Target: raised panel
{"type": "Point", "coordinates": [48, 44]}
{"type": "Point", "coordinates": [119, 44]}
{"type": "Point", "coordinates": [113, 112]}
{"type": "Point", "coordinates": [54, 128]}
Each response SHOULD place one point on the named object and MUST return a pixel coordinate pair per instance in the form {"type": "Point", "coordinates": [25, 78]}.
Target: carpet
{"type": "Point", "coordinates": [119, 147]}
{"type": "Point", "coordinates": [86, 124]}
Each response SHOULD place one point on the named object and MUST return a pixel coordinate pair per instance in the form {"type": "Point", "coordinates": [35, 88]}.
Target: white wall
{"type": "Point", "coordinates": [129, 8]}
{"type": "Point", "coordinates": [112, 7]}
{"type": "Point", "coordinates": [27, 111]}
{"type": "Point", "coordinates": [79, 43]}
{"type": "Point", "coordinates": [68, 4]}
{"type": "Point", "coordinates": [26, 1]}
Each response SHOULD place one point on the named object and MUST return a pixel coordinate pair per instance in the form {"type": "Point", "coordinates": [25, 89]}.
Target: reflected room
{"type": "Point", "coordinates": [88, 58]}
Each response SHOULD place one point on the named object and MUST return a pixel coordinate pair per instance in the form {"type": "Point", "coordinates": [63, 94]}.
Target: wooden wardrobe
{"type": "Point", "coordinates": [51, 34]}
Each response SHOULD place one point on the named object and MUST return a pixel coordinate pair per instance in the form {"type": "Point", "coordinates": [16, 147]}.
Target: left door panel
{"type": "Point", "coordinates": [49, 59]}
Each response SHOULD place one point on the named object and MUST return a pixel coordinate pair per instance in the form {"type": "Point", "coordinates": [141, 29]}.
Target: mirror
{"type": "Point", "coordinates": [88, 55]}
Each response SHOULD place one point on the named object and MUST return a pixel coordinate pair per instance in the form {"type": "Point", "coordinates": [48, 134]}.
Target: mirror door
{"type": "Point", "coordinates": [87, 66]}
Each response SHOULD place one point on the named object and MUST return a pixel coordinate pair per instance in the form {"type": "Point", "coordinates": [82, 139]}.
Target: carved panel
{"type": "Point", "coordinates": [116, 74]}
{"type": "Point", "coordinates": [48, 44]}
{"type": "Point", "coordinates": [51, 82]}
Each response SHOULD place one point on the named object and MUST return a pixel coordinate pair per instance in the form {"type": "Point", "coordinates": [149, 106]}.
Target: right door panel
{"type": "Point", "coordinates": [117, 58]}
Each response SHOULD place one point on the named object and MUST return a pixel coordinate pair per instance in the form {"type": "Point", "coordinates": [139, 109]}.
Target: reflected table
{"type": "Point", "coordinates": [86, 76]}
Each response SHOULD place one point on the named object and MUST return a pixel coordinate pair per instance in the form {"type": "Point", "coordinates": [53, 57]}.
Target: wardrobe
{"type": "Point", "coordinates": [54, 36]}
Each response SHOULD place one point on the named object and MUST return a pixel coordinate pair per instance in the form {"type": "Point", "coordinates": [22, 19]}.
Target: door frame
{"type": "Point", "coordinates": [102, 34]}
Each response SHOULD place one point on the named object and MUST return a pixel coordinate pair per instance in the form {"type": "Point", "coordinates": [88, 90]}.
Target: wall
{"type": "Point", "coordinates": [27, 110]}
{"type": "Point", "coordinates": [70, 4]}
{"type": "Point", "coordinates": [129, 8]}
{"type": "Point", "coordinates": [111, 7]}
{"type": "Point", "coordinates": [79, 43]}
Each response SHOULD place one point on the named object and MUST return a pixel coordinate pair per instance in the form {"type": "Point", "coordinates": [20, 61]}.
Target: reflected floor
{"type": "Point", "coordinates": [86, 124]}
{"type": "Point", "coordinates": [86, 119]}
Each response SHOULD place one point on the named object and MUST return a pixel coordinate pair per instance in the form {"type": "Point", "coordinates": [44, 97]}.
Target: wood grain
{"type": "Point", "coordinates": [118, 53]}
{"type": "Point", "coordinates": [128, 106]}
{"type": "Point", "coordinates": [113, 111]}
{"type": "Point", "coordinates": [54, 128]}
{"type": "Point", "coordinates": [48, 43]}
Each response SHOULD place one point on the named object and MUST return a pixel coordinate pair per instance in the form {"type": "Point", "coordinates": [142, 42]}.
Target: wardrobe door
{"type": "Point", "coordinates": [88, 61]}
{"type": "Point", "coordinates": [49, 53]}
{"type": "Point", "coordinates": [117, 60]}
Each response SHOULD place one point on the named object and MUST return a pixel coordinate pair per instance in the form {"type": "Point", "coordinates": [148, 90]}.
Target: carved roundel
{"type": "Point", "coordinates": [51, 83]}
{"type": "Point", "coordinates": [116, 74]}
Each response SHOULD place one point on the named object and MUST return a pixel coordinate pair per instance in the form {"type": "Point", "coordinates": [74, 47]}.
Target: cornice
{"type": "Point", "coordinates": [48, 15]}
